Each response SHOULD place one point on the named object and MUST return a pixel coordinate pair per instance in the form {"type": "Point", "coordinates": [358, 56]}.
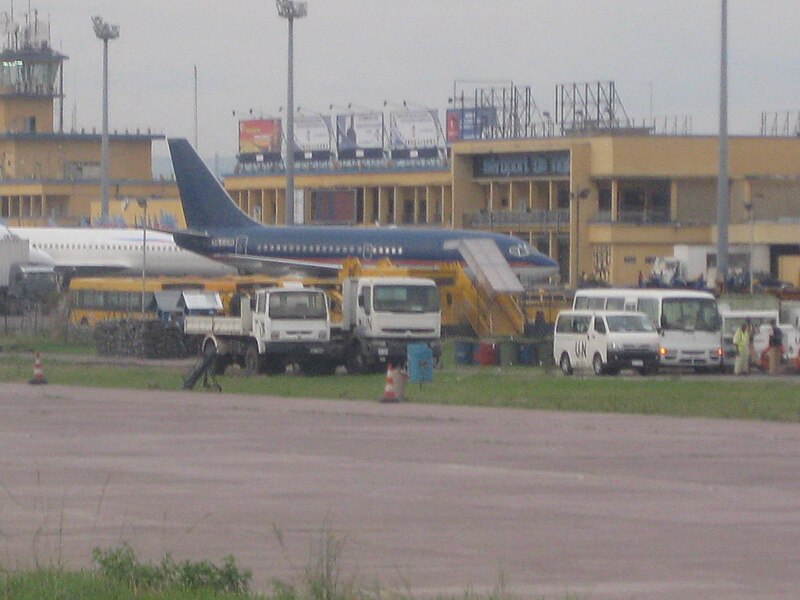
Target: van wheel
{"type": "Point", "coordinates": [251, 360]}
{"type": "Point", "coordinates": [597, 365]}
{"type": "Point", "coordinates": [565, 364]}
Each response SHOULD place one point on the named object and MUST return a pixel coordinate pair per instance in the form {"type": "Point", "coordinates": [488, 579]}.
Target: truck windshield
{"type": "Point", "coordinates": [405, 298]}
{"type": "Point", "coordinates": [690, 314]}
{"type": "Point", "coordinates": [297, 305]}
{"type": "Point", "coordinates": [629, 324]}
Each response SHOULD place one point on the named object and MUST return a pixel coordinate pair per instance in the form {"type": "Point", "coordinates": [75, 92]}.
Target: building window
{"type": "Point", "coordinates": [630, 260]}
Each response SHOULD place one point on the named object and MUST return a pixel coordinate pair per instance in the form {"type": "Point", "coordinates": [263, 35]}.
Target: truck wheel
{"type": "Point", "coordinates": [356, 361]}
{"type": "Point", "coordinates": [597, 365]}
{"type": "Point", "coordinates": [649, 368]}
{"type": "Point", "coordinates": [320, 366]}
{"type": "Point", "coordinates": [251, 360]}
{"type": "Point", "coordinates": [565, 364]}
{"type": "Point", "coordinates": [273, 366]}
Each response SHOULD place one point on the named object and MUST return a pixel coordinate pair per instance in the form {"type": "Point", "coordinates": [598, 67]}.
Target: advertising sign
{"type": "Point", "coordinates": [469, 123]}
{"type": "Point", "coordinates": [260, 139]}
{"type": "Point", "coordinates": [359, 135]}
{"type": "Point", "coordinates": [312, 137]}
{"type": "Point", "coordinates": [414, 133]}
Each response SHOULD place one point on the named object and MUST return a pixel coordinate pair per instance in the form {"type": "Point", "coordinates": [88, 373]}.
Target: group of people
{"type": "Point", "coordinates": [746, 353]}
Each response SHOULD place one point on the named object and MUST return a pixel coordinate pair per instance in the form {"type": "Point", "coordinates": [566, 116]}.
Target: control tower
{"type": "Point", "coordinates": [31, 77]}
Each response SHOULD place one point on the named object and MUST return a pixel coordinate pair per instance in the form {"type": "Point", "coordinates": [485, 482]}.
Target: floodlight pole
{"type": "Point", "coordinates": [105, 32]}
{"type": "Point", "coordinates": [723, 200]}
{"type": "Point", "coordinates": [143, 205]}
{"type": "Point", "coordinates": [290, 10]}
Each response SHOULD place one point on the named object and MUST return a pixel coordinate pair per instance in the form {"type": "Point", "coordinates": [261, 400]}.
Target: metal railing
{"type": "Point", "coordinates": [517, 217]}
{"type": "Point", "coordinates": [632, 217]}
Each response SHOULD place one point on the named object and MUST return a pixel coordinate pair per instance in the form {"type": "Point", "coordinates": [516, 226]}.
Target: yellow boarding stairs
{"type": "Point", "coordinates": [490, 303]}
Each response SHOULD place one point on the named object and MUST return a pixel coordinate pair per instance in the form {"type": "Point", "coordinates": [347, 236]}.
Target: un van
{"type": "Point", "coordinates": [605, 341]}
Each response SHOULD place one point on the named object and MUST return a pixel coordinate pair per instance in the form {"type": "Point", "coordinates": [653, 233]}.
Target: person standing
{"type": "Point", "coordinates": [741, 339]}
{"type": "Point", "coordinates": [775, 349]}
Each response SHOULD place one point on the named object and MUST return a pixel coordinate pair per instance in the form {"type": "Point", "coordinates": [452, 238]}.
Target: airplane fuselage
{"type": "Point", "coordinates": [303, 249]}
{"type": "Point", "coordinates": [86, 251]}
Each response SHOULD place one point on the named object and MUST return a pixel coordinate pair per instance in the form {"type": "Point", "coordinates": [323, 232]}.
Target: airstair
{"type": "Point", "coordinates": [492, 304]}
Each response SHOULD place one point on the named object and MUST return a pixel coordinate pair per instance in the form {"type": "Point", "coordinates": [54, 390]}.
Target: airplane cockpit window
{"type": "Point", "coordinates": [521, 250]}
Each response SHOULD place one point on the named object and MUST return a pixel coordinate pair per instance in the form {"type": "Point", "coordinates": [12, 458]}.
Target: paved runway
{"type": "Point", "coordinates": [429, 499]}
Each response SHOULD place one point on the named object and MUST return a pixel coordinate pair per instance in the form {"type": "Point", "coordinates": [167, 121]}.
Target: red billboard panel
{"type": "Point", "coordinates": [260, 136]}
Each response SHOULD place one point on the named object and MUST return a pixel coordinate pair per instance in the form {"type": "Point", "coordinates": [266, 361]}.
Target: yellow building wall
{"type": "Point", "coordinates": [789, 269]}
{"type": "Point", "coordinates": [628, 260]}
{"type": "Point", "coordinates": [695, 156]}
{"type": "Point", "coordinates": [46, 158]}
{"type": "Point", "coordinates": [15, 113]}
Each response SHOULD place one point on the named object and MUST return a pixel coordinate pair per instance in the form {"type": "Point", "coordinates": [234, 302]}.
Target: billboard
{"type": "Point", "coordinates": [359, 135]}
{"type": "Point", "coordinates": [333, 207]}
{"type": "Point", "coordinates": [312, 137]}
{"type": "Point", "coordinates": [469, 123]}
{"type": "Point", "coordinates": [414, 133]}
{"type": "Point", "coordinates": [260, 139]}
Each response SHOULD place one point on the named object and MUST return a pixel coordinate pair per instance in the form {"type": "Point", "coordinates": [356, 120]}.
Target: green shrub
{"type": "Point", "coordinates": [120, 564]}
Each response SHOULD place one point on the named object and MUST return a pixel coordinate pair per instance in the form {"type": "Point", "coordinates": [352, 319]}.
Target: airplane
{"type": "Point", "coordinates": [221, 230]}
{"type": "Point", "coordinates": [84, 251]}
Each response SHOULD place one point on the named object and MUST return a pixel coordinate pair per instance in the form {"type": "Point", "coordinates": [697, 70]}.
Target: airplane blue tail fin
{"type": "Point", "coordinates": [205, 202]}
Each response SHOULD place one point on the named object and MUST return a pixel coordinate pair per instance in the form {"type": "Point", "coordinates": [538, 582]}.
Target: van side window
{"type": "Point", "coordinates": [581, 302]}
{"type": "Point", "coordinates": [564, 325]}
{"type": "Point", "coordinates": [599, 325]}
{"type": "Point", "coordinates": [581, 324]}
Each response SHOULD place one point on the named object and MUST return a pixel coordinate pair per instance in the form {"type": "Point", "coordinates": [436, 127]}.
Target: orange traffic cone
{"type": "Point", "coordinates": [38, 372]}
{"type": "Point", "coordinates": [393, 390]}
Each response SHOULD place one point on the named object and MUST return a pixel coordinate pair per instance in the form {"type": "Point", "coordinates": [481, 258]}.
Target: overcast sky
{"type": "Point", "coordinates": [368, 51]}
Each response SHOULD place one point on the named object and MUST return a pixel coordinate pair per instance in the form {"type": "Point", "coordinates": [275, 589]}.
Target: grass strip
{"type": "Point", "coordinates": [757, 398]}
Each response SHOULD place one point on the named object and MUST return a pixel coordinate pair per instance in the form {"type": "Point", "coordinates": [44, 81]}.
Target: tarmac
{"type": "Point", "coordinates": [421, 499]}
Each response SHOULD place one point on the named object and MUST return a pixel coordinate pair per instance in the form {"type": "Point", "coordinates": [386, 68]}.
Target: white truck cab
{"type": "Point", "coordinates": [605, 341]}
{"type": "Point", "coordinates": [381, 316]}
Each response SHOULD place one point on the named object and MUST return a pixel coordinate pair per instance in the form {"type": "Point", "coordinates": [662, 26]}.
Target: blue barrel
{"type": "Point", "coordinates": [526, 353]}
{"type": "Point", "coordinates": [464, 351]}
{"type": "Point", "coordinates": [420, 363]}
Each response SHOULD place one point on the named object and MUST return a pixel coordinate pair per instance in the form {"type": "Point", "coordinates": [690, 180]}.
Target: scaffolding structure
{"type": "Point", "coordinates": [589, 107]}
{"type": "Point", "coordinates": [503, 109]}
{"type": "Point", "coordinates": [784, 123]}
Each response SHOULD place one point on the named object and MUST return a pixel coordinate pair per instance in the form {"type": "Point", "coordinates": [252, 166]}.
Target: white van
{"type": "Point", "coordinates": [688, 321]}
{"type": "Point", "coordinates": [606, 341]}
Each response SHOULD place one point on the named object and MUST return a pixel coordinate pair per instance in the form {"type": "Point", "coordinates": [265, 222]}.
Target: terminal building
{"type": "Point", "coordinates": [602, 196]}
{"type": "Point", "coordinates": [587, 186]}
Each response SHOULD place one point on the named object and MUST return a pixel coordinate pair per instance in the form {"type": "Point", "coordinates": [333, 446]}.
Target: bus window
{"type": "Point", "coordinates": [581, 302]}
{"type": "Point", "coordinates": [615, 304]}
{"type": "Point", "coordinates": [597, 303]}
{"type": "Point", "coordinates": [649, 306]}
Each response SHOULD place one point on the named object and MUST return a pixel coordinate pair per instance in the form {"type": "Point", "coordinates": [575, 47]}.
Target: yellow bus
{"type": "Point", "coordinates": [95, 299]}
